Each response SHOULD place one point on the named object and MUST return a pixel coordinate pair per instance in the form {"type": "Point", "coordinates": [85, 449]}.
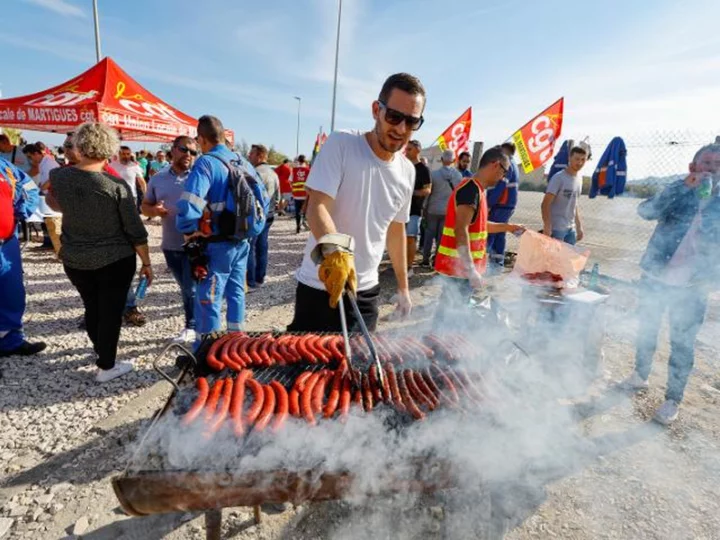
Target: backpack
{"type": "Point", "coordinates": [251, 202]}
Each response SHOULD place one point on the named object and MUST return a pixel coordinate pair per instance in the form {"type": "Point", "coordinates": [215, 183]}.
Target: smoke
{"type": "Point", "coordinates": [536, 353]}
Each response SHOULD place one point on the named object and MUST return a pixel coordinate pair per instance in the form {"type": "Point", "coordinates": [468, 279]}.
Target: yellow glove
{"type": "Point", "coordinates": [337, 269]}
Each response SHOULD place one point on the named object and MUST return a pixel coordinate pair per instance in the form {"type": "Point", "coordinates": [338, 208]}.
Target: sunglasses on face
{"type": "Point", "coordinates": [186, 150]}
{"type": "Point", "coordinates": [503, 167]}
{"type": "Point", "coordinates": [395, 118]}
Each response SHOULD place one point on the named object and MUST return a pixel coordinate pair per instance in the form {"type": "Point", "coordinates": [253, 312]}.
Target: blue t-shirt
{"type": "Point", "coordinates": [167, 186]}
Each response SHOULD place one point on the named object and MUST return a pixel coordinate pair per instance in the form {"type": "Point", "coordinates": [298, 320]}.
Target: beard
{"type": "Point", "coordinates": [386, 143]}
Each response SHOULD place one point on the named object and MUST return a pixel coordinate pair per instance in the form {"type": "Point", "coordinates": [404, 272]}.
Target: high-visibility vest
{"type": "Point", "coordinates": [447, 260]}
{"type": "Point", "coordinates": [299, 177]}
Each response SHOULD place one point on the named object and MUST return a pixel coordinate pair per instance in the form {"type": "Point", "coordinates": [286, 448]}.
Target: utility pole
{"type": "Point", "coordinates": [337, 54]}
{"type": "Point", "coordinates": [98, 54]}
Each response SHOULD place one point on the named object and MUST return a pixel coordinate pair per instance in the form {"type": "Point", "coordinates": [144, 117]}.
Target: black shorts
{"type": "Point", "coordinates": [314, 314]}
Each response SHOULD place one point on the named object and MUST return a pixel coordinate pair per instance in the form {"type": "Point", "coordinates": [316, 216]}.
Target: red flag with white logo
{"type": "Point", "coordinates": [535, 141]}
{"type": "Point", "coordinates": [457, 136]}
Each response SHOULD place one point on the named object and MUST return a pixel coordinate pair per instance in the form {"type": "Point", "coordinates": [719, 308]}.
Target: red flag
{"type": "Point", "coordinates": [457, 136]}
{"type": "Point", "coordinates": [535, 141]}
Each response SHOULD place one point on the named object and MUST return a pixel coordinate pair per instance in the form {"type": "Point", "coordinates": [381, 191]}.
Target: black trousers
{"type": "Point", "coordinates": [314, 314]}
{"type": "Point", "coordinates": [298, 212]}
{"type": "Point", "coordinates": [104, 293]}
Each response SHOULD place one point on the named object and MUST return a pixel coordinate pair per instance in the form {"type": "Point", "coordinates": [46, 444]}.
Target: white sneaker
{"type": "Point", "coordinates": [667, 412]}
{"type": "Point", "coordinates": [186, 336]}
{"type": "Point", "coordinates": [118, 370]}
{"type": "Point", "coordinates": [635, 383]}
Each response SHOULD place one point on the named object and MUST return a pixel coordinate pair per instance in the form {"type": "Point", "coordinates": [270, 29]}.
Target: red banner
{"type": "Point", "coordinates": [457, 136]}
{"type": "Point", "coordinates": [535, 141]}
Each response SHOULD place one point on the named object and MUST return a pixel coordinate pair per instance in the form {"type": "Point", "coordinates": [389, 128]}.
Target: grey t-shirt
{"type": "Point", "coordinates": [168, 187]}
{"type": "Point", "coordinates": [444, 180]}
{"type": "Point", "coordinates": [567, 189]}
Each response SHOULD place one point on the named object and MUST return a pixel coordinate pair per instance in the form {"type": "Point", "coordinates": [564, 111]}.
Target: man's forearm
{"type": "Point", "coordinates": [319, 218]}
{"type": "Point", "coordinates": [494, 228]}
{"type": "Point", "coordinates": [463, 248]}
{"type": "Point", "coordinates": [578, 220]}
{"type": "Point", "coordinates": [148, 209]}
{"type": "Point", "coordinates": [547, 219]}
{"type": "Point", "coordinates": [397, 249]}
{"type": "Point", "coordinates": [144, 252]}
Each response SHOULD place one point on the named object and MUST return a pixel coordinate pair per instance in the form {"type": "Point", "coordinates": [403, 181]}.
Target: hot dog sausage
{"type": "Point", "coordinates": [367, 394]}
{"type": "Point", "coordinates": [391, 377]}
{"type": "Point", "coordinates": [430, 399]}
{"type": "Point", "coordinates": [281, 405]}
{"type": "Point", "coordinates": [268, 408]}
{"type": "Point", "coordinates": [211, 357]}
{"type": "Point", "coordinates": [318, 396]}
{"type": "Point", "coordinates": [199, 403]}
{"type": "Point", "coordinates": [334, 397]}
{"type": "Point", "coordinates": [449, 386]}
{"type": "Point", "coordinates": [222, 411]}
{"type": "Point", "coordinates": [238, 401]}
{"type": "Point", "coordinates": [258, 398]}
{"type": "Point", "coordinates": [407, 399]}
{"type": "Point", "coordinates": [306, 408]}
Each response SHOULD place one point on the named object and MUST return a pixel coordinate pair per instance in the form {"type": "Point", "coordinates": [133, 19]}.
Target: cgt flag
{"type": "Point", "coordinates": [319, 141]}
{"type": "Point", "coordinates": [535, 141]}
{"type": "Point", "coordinates": [457, 136]}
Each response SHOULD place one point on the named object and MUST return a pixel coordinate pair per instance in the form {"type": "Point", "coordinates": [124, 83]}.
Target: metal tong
{"type": "Point", "coordinates": [366, 336]}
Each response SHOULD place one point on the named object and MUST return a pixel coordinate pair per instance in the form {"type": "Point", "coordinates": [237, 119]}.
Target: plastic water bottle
{"type": "Point", "coordinates": [594, 276]}
{"type": "Point", "coordinates": [141, 288]}
{"type": "Point", "coordinates": [705, 189]}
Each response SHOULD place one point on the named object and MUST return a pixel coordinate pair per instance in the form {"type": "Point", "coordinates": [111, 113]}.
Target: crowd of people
{"type": "Point", "coordinates": [364, 195]}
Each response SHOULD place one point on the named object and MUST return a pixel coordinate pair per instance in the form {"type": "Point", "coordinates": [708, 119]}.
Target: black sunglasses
{"type": "Point", "coordinates": [395, 118]}
{"type": "Point", "coordinates": [503, 167]}
{"type": "Point", "coordinates": [186, 150]}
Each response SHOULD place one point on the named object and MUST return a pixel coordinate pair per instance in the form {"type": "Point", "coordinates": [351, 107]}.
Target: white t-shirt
{"type": "Point", "coordinates": [129, 173]}
{"type": "Point", "coordinates": [369, 194]}
{"type": "Point", "coordinates": [47, 164]}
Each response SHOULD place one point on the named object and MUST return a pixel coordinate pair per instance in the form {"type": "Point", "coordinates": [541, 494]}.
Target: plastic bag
{"type": "Point", "coordinates": [538, 253]}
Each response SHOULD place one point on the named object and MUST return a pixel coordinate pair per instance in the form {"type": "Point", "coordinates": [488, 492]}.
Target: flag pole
{"type": "Point", "coordinates": [98, 54]}
{"type": "Point", "coordinates": [337, 54]}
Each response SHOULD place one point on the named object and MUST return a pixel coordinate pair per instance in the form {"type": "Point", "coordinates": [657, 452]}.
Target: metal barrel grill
{"type": "Point", "coordinates": [150, 487]}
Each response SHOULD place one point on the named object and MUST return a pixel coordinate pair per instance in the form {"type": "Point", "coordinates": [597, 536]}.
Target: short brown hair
{"type": "Point", "coordinates": [402, 81]}
{"type": "Point", "coordinates": [415, 143]}
{"type": "Point", "coordinates": [211, 128]}
{"type": "Point", "coordinates": [578, 150]}
{"type": "Point", "coordinates": [182, 139]}
{"type": "Point", "coordinates": [260, 149]}
{"type": "Point", "coordinates": [492, 155]}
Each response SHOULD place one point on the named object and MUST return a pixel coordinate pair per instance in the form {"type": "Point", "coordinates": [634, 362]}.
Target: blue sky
{"type": "Point", "coordinates": [623, 66]}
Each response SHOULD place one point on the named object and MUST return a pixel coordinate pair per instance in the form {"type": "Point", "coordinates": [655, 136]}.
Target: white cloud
{"type": "Point", "coordinates": [59, 6]}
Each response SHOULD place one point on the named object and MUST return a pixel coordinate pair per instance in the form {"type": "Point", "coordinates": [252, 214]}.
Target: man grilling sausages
{"type": "Point", "coordinates": [360, 188]}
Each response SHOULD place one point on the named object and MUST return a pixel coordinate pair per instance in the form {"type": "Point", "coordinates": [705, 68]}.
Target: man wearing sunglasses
{"type": "Point", "coordinates": [164, 191]}
{"type": "Point", "coordinates": [462, 254]}
{"type": "Point", "coordinates": [360, 190]}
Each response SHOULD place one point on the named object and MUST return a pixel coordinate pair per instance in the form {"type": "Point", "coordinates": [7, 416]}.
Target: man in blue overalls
{"type": "Point", "coordinates": [19, 197]}
{"type": "Point", "coordinates": [206, 190]}
{"type": "Point", "coordinates": [502, 200]}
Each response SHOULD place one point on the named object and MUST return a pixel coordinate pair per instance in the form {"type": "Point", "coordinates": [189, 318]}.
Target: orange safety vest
{"type": "Point", "coordinates": [447, 260]}
{"type": "Point", "coordinates": [299, 177]}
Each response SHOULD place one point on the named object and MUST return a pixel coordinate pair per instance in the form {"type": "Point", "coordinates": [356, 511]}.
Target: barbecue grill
{"type": "Point", "coordinates": [146, 488]}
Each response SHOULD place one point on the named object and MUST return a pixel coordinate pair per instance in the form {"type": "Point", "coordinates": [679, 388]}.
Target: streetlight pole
{"type": "Point", "coordinates": [297, 139]}
{"type": "Point", "coordinates": [337, 54]}
{"type": "Point", "coordinates": [98, 54]}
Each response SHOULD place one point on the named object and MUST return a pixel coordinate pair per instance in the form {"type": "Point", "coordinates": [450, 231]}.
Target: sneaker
{"type": "Point", "coordinates": [635, 383]}
{"type": "Point", "coordinates": [118, 370]}
{"type": "Point", "coordinates": [186, 336]}
{"type": "Point", "coordinates": [425, 264]}
{"type": "Point", "coordinates": [667, 412]}
{"type": "Point", "coordinates": [410, 273]}
{"type": "Point", "coordinates": [134, 317]}
{"type": "Point", "coordinates": [26, 348]}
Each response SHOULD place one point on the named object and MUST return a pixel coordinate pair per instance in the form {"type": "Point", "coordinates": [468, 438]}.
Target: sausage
{"type": "Point", "coordinates": [345, 397]}
{"type": "Point", "coordinates": [281, 405]}
{"type": "Point", "coordinates": [222, 411]}
{"type": "Point", "coordinates": [336, 346]}
{"type": "Point", "coordinates": [334, 397]}
{"type": "Point", "coordinates": [258, 398]}
{"type": "Point", "coordinates": [263, 350]}
{"type": "Point", "coordinates": [318, 395]}
{"type": "Point", "coordinates": [440, 347]}
{"type": "Point", "coordinates": [460, 385]}
{"type": "Point", "coordinates": [375, 384]}
{"type": "Point", "coordinates": [367, 393]}
{"type": "Point", "coordinates": [302, 347]}
{"type": "Point", "coordinates": [470, 385]}
{"type": "Point", "coordinates": [238, 401]}
{"type": "Point", "coordinates": [273, 350]}
{"type": "Point", "coordinates": [199, 403]}
{"type": "Point", "coordinates": [415, 392]}
{"type": "Point", "coordinates": [225, 350]}
{"type": "Point", "coordinates": [294, 397]}
{"type": "Point", "coordinates": [357, 398]}
{"type": "Point", "coordinates": [408, 401]}
{"type": "Point", "coordinates": [211, 357]}
{"type": "Point", "coordinates": [438, 394]}
{"type": "Point", "coordinates": [234, 361]}
{"type": "Point", "coordinates": [391, 377]}
{"type": "Point", "coordinates": [450, 390]}
{"type": "Point", "coordinates": [306, 398]}
{"type": "Point", "coordinates": [213, 399]}
{"type": "Point", "coordinates": [315, 345]}
{"type": "Point", "coordinates": [426, 351]}
{"type": "Point", "coordinates": [290, 342]}
{"type": "Point", "coordinates": [268, 408]}
{"type": "Point", "coordinates": [383, 349]}
{"type": "Point", "coordinates": [242, 350]}
{"type": "Point", "coordinates": [360, 348]}
{"type": "Point", "coordinates": [432, 400]}
{"type": "Point", "coordinates": [252, 351]}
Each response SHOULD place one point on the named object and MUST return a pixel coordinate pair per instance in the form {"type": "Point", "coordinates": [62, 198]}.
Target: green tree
{"type": "Point", "coordinates": [243, 148]}
{"type": "Point", "coordinates": [275, 157]}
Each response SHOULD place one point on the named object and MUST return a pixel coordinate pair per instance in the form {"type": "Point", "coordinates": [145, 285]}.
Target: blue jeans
{"type": "Point", "coordinates": [227, 263]}
{"type": "Point", "coordinates": [179, 264]}
{"type": "Point", "coordinates": [12, 298]}
{"type": "Point", "coordinates": [497, 241]}
{"type": "Point", "coordinates": [569, 236]}
{"type": "Point", "coordinates": [433, 232]}
{"type": "Point", "coordinates": [258, 258]}
{"type": "Point", "coordinates": [686, 311]}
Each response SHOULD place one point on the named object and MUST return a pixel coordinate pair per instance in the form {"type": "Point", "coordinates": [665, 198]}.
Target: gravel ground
{"type": "Point", "coordinates": [63, 436]}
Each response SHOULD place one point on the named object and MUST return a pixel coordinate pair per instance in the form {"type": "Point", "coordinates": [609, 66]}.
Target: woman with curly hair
{"type": "Point", "coordinates": [101, 234]}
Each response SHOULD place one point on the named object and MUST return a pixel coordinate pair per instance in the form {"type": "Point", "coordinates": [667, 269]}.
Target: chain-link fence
{"type": "Point", "coordinates": [614, 232]}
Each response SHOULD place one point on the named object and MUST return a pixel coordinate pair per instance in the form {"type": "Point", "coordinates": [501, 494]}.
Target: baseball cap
{"type": "Point", "coordinates": [448, 155]}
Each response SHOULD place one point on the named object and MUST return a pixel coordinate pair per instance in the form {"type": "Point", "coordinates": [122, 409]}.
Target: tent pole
{"type": "Point", "coordinates": [98, 54]}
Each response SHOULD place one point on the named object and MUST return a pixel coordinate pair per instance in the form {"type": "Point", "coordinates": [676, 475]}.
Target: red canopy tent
{"type": "Point", "coordinates": [103, 93]}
